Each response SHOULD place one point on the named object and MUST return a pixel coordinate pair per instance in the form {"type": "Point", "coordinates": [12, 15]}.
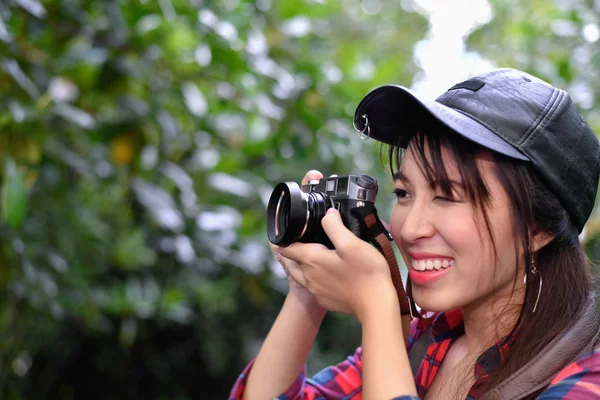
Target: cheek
{"type": "Point", "coordinates": [462, 236]}
{"type": "Point", "coordinates": [454, 227]}
{"type": "Point", "coordinates": [396, 222]}
{"type": "Point", "coordinates": [489, 264]}
{"type": "Point", "coordinates": [505, 245]}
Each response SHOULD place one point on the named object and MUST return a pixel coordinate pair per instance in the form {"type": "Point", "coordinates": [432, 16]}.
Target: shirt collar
{"type": "Point", "coordinates": [449, 325]}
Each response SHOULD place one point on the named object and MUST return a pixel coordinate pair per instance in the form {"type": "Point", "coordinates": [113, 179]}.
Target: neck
{"type": "Point", "coordinates": [502, 308]}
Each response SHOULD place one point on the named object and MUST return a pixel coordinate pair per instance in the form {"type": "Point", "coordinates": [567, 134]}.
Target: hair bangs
{"type": "Point", "coordinates": [433, 148]}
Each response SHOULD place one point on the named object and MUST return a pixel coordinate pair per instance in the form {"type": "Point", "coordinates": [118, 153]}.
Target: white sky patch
{"type": "Point", "coordinates": [442, 55]}
{"type": "Point", "coordinates": [194, 99]}
{"type": "Point", "coordinates": [203, 55]}
{"type": "Point", "coordinates": [299, 26]}
{"type": "Point", "coordinates": [591, 33]}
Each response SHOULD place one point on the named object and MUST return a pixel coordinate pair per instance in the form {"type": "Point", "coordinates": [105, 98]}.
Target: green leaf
{"type": "Point", "coordinates": [13, 195]}
{"type": "Point", "coordinates": [131, 251]}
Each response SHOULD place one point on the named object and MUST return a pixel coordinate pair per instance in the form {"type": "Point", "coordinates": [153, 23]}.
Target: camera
{"type": "Point", "coordinates": [294, 212]}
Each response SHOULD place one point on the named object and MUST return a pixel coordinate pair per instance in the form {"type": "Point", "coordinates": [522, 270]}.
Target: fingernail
{"type": "Point", "coordinates": [332, 211]}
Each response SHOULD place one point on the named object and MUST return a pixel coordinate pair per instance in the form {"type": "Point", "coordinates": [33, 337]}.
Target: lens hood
{"type": "Point", "coordinates": [287, 214]}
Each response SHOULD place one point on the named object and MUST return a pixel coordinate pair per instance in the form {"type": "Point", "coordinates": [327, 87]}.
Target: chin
{"type": "Point", "coordinates": [437, 302]}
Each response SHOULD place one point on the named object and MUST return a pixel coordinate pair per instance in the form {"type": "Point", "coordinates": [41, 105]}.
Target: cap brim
{"type": "Point", "coordinates": [395, 114]}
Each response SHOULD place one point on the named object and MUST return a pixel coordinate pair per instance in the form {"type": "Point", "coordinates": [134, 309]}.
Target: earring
{"type": "Point", "coordinates": [534, 272]}
{"type": "Point", "coordinates": [412, 307]}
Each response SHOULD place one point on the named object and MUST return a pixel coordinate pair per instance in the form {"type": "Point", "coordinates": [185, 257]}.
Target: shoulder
{"type": "Point", "coordinates": [579, 380]}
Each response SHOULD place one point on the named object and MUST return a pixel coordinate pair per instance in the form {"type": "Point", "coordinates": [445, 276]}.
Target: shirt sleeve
{"type": "Point", "coordinates": [580, 380]}
{"type": "Point", "coordinates": [341, 380]}
{"type": "Point", "coordinates": [334, 382]}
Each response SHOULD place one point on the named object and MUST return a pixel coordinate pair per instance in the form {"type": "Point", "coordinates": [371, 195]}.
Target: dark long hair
{"type": "Point", "coordinates": [568, 281]}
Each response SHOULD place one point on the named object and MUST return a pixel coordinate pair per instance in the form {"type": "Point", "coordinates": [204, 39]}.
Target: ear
{"type": "Point", "coordinates": [540, 240]}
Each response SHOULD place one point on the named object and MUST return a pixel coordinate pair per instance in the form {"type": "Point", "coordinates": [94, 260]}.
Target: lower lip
{"type": "Point", "coordinates": [426, 277]}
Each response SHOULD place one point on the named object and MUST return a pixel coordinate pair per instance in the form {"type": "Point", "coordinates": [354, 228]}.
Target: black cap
{"type": "Point", "coordinates": [508, 111]}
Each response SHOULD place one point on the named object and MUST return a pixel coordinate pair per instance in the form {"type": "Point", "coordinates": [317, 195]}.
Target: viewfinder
{"type": "Point", "coordinates": [342, 186]}
{"type": "Point", "coordinates": [330, 186]}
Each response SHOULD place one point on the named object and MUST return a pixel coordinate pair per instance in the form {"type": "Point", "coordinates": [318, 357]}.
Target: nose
{"type": "Point", "coordinates": [417, 224]}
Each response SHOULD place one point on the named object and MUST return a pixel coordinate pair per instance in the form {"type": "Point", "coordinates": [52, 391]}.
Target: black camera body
{"type": "Point", "coordinates": [294, 212]}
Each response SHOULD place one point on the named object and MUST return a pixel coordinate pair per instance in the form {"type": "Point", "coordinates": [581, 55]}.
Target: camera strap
{"type": "Point", "coordinates": [378, 235]}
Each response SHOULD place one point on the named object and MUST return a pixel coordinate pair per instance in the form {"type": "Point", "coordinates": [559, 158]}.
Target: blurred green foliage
{"type": "Point", "coordinates": [140, 140]}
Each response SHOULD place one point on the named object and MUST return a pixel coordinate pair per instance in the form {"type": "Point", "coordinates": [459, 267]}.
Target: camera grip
{"type": "Point", "coordinates": [355, 220]}
{"type": "Point", "coordinates": [354, 225]}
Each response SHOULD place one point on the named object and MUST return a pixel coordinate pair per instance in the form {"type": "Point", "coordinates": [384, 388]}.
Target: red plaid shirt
{"type": "Point", "coordinates": [580, 380]}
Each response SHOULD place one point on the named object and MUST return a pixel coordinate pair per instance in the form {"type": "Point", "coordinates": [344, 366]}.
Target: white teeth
{"type": "Point", "coordinates": [431, 264]}
{"type": "Point", "coordinates": [416, 265]}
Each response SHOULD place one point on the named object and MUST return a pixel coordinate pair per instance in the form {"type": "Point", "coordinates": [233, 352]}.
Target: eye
{"type": "Point", "coordinates": [400, 193]}
{"type": "Point", "coordinates": [452, 198]}
{"type": "Point", "coordinates": [442, 198]}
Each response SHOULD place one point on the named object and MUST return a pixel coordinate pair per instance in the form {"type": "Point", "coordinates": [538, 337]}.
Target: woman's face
{"type": "Point", "coordinates": [445, 242]}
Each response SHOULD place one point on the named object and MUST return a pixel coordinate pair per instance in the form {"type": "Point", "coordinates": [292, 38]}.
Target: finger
{"type": "Point", "coordinates": [274, 249]}
{"type": "Point", "coordinates": [341, 237]}
{"type": "Point", "coordinates": [307, 254]}
{"type": "Point", "coordinates": [311, 175]}
{"type": "Point", "coordinates": [290, 267]}
{"type": "Point", "coordinates": [296, 251]}
{"type": "Point", "coordinates": [292, 270]}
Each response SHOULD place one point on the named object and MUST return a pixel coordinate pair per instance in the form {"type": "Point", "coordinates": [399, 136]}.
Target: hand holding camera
{"type": "Point", "coordinates": [298, 227]}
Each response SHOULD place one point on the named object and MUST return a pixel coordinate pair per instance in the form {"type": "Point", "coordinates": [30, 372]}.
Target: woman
{"type": "Point", "coordinates": [495, 181]}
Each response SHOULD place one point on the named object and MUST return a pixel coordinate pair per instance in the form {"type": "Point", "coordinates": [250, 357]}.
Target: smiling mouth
{"type": "Point", "coordinates": [433, 264]}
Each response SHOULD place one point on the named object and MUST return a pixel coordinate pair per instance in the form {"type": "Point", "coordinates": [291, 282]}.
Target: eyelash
{"type": "Point", "coordinates": [445, 199]}
{"type": "Point", "coordinates": [401, 194]}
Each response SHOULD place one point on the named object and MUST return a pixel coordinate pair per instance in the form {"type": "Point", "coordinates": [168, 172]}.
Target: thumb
{"type": "Point", "coordinates": [334, 227]}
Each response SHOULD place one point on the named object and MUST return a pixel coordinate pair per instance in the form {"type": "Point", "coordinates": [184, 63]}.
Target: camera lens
{"type": "Point", "coordinates": [292, 214]}
{"type": "Point", "coordinates": [282, 214]}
